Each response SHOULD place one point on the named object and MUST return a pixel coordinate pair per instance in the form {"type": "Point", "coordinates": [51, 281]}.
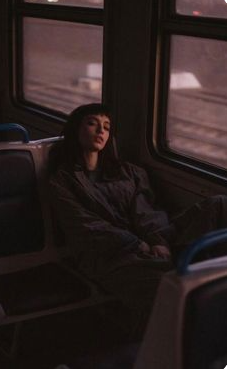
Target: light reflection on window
{"type": "Point", "coordinates": [202, 8]}
{"type": "Point", "coordinates": [82, 3]}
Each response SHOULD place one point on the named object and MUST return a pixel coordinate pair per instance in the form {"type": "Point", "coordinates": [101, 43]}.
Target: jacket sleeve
{"type": "Point", "coordinates": [149, 223]}
{"type": "Point", "coordinates": [84, 228]}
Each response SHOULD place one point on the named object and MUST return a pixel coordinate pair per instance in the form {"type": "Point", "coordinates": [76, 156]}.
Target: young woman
{"type": "Point", "coordinates": [107, 212]}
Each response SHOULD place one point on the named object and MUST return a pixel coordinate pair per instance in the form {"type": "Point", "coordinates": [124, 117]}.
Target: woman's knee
{"type": "Point", "coordinates": [216, 200]}
{"type": "Point", "coordinates": [220, 198]}
{"type": "Point", "coordinates": [219, 210]}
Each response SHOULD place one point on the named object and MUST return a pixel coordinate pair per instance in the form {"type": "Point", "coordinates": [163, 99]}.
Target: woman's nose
{"type": "Point", "coordinates": [100, 128]}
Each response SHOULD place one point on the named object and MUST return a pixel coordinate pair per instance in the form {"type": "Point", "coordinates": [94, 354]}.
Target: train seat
{"type": "Point", "coordinates": [188, 325]}
{"type": "Point", "coordinates": [20, 213]}
{"type": "Point", "coordinates": [42, 287]}
{"type": "Point", "coordinates": [36, 277]}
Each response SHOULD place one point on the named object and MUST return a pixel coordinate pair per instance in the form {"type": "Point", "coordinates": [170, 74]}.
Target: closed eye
{"type": "Point", "coordinates": [107, 128]}
{"type": "Point", "coordinates": [91, 122]}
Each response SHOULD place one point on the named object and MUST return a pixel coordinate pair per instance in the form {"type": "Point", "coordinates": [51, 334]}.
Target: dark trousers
{"type": "Point", "coordinates": [203, 217]}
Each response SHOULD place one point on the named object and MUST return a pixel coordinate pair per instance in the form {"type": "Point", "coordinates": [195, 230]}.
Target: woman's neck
{"type": "Point", "coordinates": [91, 159]}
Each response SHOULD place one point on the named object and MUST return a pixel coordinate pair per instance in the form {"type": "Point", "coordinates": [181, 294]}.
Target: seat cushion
{"type": "Point", "coordinates": [39, 288]}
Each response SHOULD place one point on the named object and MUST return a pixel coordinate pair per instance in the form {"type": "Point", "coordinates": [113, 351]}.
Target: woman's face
{"type": "Point", "coordinates": [94, 132]}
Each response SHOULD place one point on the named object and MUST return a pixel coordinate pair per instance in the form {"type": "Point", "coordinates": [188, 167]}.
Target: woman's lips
{"type": "Point", "coordinates": [99, 139]}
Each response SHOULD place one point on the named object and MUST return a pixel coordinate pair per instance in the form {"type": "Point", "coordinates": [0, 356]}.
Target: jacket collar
{"type": "Point", "coordinates": [92, 193]}
{"type": "Point", "coordinates": [106, 177]}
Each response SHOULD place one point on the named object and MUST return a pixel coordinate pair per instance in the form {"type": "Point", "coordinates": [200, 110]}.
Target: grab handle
{"type": "Point", "coordinates": [209, 239]}
{"type": "Point", "coordinates": [15, 127]}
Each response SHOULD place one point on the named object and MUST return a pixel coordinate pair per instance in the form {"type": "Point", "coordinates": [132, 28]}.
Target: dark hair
{"type": "Point", "coordinates": [70, 150]}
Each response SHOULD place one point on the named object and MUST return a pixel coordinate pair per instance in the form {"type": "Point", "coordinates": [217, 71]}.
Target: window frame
{"type": "Point", "coordinates": [169, 23]}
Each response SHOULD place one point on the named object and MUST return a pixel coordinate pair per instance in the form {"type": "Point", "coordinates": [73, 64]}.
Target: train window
{"type": "Point", "coordinates": [62, 63]}
{"type": "Point", "coordinates": [197, 110]}
{"type": "Point", "coordinates": [203, 8]}
{"type": "Point", "coordinates": [82, 3]}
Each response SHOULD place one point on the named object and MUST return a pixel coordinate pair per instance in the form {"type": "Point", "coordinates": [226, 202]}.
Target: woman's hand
{"type": "Point", "coordinates": [144, 247]}
{"type": "Point", "coordinates": [161, 252]}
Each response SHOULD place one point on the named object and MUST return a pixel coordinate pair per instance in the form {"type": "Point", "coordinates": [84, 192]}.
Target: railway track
{"type": "Point", "coordinates": [59, 97]}
{"type": "Point", "coordinates": [197, 125]}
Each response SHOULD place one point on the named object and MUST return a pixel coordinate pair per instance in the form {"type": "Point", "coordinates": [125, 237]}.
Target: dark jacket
{"type": "Point", "coordinates": [106, 221]}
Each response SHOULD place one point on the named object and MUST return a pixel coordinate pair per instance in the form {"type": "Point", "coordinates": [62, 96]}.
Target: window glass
{"type": "Point", "coordinates": [202, 8]}
{"type": "Point", "coordinates": [197, 101]}
{"type": "Point", "coordinates": [62, 63]}
{"type": "Point", "coordinates": [83, 3]}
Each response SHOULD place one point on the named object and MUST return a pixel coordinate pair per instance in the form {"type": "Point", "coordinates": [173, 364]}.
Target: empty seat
{"type": "Point", "coordinates": [188, 325]}
{"type": "Point", "coordinates": [205, 325]}
{"type": "Point", "coordinates": [40, 288]}
{"type": "Point", "coordinates": [21, 223]}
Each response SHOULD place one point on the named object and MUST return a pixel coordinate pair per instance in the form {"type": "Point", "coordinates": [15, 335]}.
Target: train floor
{"type": "Point", "coordinates": [92, 338]}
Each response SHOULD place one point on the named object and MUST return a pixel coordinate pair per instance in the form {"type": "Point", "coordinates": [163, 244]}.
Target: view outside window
{"type": "Point", "coordinates": [202, 8]}
{"type": "Point", "coordinates": [83, 3]}
{"type": "Point", "coordinates": [197, 102]}
{"type": "Point", "coordinates": [62, 63]}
